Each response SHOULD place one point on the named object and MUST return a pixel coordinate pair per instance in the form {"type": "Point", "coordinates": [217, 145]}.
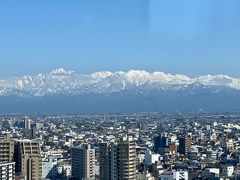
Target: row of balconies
{"type": "Point", "coordinates": [4, 148]}
{"type": "Point", "coordinates": [5, 144]}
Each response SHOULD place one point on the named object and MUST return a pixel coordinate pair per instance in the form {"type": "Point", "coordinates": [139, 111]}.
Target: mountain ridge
{"type": "Point", "coordinates": [67, 82]}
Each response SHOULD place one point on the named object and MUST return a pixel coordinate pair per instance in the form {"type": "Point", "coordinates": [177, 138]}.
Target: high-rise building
{"type": "Point", "coordinates": [27, 123]}
{"type": "Point", "coordinates": [7, 171]}
{"type": "Point", "coordinates": [185, 144]}
{"type": "Point", "coordinates": [118, 160]}
{"type": "Point", "coordinates": [6, 149]}
{"type": "Point", "coordinates": [105, 160]}
{"type": "Point", "coordinates": [160, 143]}
{"type": "Point", "coordinates": [30, 133]}
{"type": "Point", "coordinates": [83, 162]}
{"type": "Point", "coordinates": [28, 159]}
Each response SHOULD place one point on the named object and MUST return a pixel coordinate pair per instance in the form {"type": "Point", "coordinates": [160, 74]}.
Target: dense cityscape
{"type": "Point", "coordinates": [141, 146]}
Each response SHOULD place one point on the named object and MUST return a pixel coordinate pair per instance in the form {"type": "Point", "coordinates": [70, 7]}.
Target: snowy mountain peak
{"type": "Point", "coordinates": [61, 81]}
{"type": "Point", "coordinates": [61, 71]}
{"type": "Point", "coordinates": [139, 73]}
{"type": "Point", "coordinates": [101, 75]}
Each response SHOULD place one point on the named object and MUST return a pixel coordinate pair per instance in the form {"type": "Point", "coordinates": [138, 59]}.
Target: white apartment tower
{"type": "Point", "coordinates": [27, 123]}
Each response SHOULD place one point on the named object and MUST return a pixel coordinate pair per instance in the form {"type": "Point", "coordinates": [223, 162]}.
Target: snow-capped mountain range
{"type": "Point", "coordinates": [65, 82]}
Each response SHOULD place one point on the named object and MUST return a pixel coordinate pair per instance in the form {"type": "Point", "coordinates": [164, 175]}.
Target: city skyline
{"type": "Point", "coordinates": [147, 146]}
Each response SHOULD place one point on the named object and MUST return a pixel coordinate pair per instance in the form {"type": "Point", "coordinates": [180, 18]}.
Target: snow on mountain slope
{"type": "Point", "coordinates": [61, 81]}
{"type": "Point", "coordinates": [219, 80]}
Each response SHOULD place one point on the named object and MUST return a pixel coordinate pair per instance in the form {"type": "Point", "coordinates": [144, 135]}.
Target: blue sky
{"type": "Point", "coordinates": [193, 37]}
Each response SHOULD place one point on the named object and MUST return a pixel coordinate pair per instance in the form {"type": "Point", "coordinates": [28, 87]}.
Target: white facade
{"type": "Point", "coordinates": [209, 171]}
{"type": "Point", "coordinates": [64, 169]}
{"type": "Point", "coordinates": [67, 170]}
{"type": "Point", "coordinates": [151, 158]}
{"type": "Point", "coordinates": [7, 171]}
{"type": "Point", "coordinates": [174, 175]}
{"type": "Point", "coordinates": [49, 168]}
{"type": "Point", "coordinates": [27, 123]}
{"type": "Point", "coordinates": [140, 158]}
{"type": "Point", "coordinates": [215, 123]}
{"type": "Point", "coordinates": [227, 170]}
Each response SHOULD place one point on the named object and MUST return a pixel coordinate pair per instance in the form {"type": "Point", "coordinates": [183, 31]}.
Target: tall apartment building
{"type": "Point", "coordinates": [185, 144]}
{"type": "Point", "coordinates": [7, 171]}
{"type": "Point", "coordinates": [6, 150]}
{"type": "Point", "coordinates": [83, 162]}
{"type": "Point", "coordinates": [105, 160]}
{"type": "Point", "coordinates": [28, 159]}
{"type": "Point", "coordinates": [27, 123]}
{"type": "Point", "coordinates": [118, 160]}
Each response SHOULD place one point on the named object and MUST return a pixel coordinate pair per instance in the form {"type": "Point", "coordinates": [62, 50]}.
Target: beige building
{"type": "Point", "coordinates": [6, 150]}
{"type": "Point", "coordinates": [29, 161]}
{"type": "Point", "coordinates": [229, 145]}
{"type": "Point", "coordinates": [83, 162]}
{"type": "Point", "coordinates": [118, 160]}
